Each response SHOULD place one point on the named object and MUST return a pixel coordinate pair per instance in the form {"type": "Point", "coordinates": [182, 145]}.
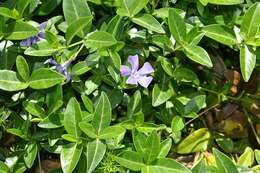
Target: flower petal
{"type": "Point", "coordinates": [41, 34]}
{"type": "Point", "coordinates": [131, 80]}
{"type": "Point", "coordinates": [146, 69]}
{"type": "Point", "coordinates": [144, 81]}
{"type": "Point", "coordinates": [134, 61]}
{"type": "Point", "coordinates": [26, 42]}
{"type": "Point", "coordinates": [50, 61]}
{"type": "Point", "coordinates": [125, 70]}
{"type": "Point", "coordinates": [42, 26]}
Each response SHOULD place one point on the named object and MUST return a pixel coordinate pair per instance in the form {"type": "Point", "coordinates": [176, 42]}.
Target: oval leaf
{"type": "Point", "coordinates": [198, 54]}
{"type": "Point", "coordinates": [10, 82]}
{"type": "Point", "coordinates": [149, 22]}
{"type": "Point", "coordinates": [247, 62]}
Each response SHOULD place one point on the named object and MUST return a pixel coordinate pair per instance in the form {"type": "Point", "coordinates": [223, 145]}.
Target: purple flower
{"type": "Point", "coordinates": [62, 69]}
{"type": "Point", "coordinates": [137, 76]}
{"type": "Point", "coordinates": [34, 39]}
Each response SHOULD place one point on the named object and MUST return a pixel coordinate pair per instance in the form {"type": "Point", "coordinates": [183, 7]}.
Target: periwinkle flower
{"type": "Point", "coordinates": [34, 39]}
{"type": "Point", "coordinates": [61, 68]}
{"type": "Point", "coordinates": [136, 76]}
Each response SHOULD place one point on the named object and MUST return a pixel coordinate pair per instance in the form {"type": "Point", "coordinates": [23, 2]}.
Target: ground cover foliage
{"type": "Point", "coordinates": [151, 86]}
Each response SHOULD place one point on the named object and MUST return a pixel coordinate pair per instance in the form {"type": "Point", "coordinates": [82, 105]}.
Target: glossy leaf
{"type": "Point", "coordinates": [162, 93]}
{"type": "Point", "coordinates": [196, 141]}
{"type": "Point", "coordinates": [152, 148]}
{"type": "Point", "coordinates": [72, 117]}
{"type": "Point", "coordinates": [19, 30]}
{"type": "Point", "coordinates": [111, 132]}
{"type": "Point", "coordinates": [94, 154]}
{"type": "Point", "coordinates": [43, 48]}
{"type": "Point", "coordinates": [102, 114]}
{"type": "Point", "coordinates": [100, 39]}
{"type": "Point", "coordinates": [198, 54]}
{"type": "Point", "coordinates": [130, 7]}
{"type": "Point", "coordinates": [165, 148]}
{"type": "Point", "coordinates": [45, 78]}
{"type": "Point", "coordinates": [186, 75]}
{"type": "Point", "coordinates": [76, 27]}
{"type": "Point", "coordinates": [177, 26]}
{"type": "Point", "coordinates": [168, 165]}
{"type": "Point", "coordinates": [221, 34]}
{"type": "Point", "coordinates": [247, 62]}
{"type": "Point", "coordinates": [30, 154]}
{"type": "Point", "coordinates": [70, 155]}
{"type": "Point", "coordinates": [251, 21]}
{"type": "Point", "coordinates": [222, 2]}
{"type": "Point", "coordinates": [22, 68]}
{"type": "Point", "coordinates": [9, 81]}
{"type": "Point", "coordinates": [177, 123]}
{"type": "Point", "coordinates": [74, 10]}
{"type": "Point", "coordinates": [149, 22]}
{"type": "Point", "coordinates": [247, 158]}
{"type": "Point", "coordinates": [224, 163]}
{"type": "Point", "coordinates": [131, 160]}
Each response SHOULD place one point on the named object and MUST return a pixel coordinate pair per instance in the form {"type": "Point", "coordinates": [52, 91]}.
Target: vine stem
{"type": "Point", "coordinates": [202, 113]}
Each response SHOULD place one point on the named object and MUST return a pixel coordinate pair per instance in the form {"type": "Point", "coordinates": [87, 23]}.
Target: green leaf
{"type": "Point", "coordinates": [74, 10]}
{"type": "Point", "coordinates": [45, 78]}
{"type": "Point", "coordinates": [87, 103]}
{"type": "Point", "coordinates": [177, 123]}
{"type": "Point", "coordinates": [152, 148]}
{"type": "Point", "coordinates": [177, 26]}
{"type": "Point", "coordinates": [199, 167]}
{"type": "Point", "coordinates": [75, 27]}
{"type": "Point", "coordinates": [222, 2]}
{"type": "Point", "coordinates": [102, 114]}
{"type": "Point", "coordinates": [257, 156]}
{"type": "Point", "coordinates": [72, 117]}
{"type": "Point", "coordinates": [138, 139]}
{"type": "Point", "coordinates": [135, 105]}
{"type": "Point", "coordinates": [9, 81]}
{"type": "Point", "coordinates": [162, 93]}
{"type": "Point", "coordinates": [186, 75]}
{"type": "Point", "coordinates": [149, 22]}
{"type": "Point", "coordinates": [34, 108]}
{"type": "Point", "coordinates": [247, 158]}
{"type": "Point", "coordinates": [165, 148]}
{"type": "Point", "coordinates": [196, 141]}
{"type": "Point", "coordinates": [225, 143]}
{"type": "Point", "coordinates": [54, 99]}
{"type": "Point", "coordinates": [224, 163]}
{"type": "Point", "coordinates": [43, 48]}
{"type": "Point", "coordinates": [111, 132]}
{"type": "Point", "coordinates": [69, 157]}
{"type": "Point", "coordinates": [221, 34]}
{"type": "Point", "coordinates": [6, 12]}
{"type": "Point", "coordinates": [130, 8]}
{"type": "Point", "coordinates": [251, 21]}
{"type": "Point", "coordinates": [131, 160]}
{"type": "Point", "coordinates": [30, 154]}
{"type": "Point", "coordinates": [94, 154]}
{"type": "Point", "coordinates": [198, 54]}
{"type": "Point", "coordinates": [3, 167]}
{"type": "Point", "coordinates": [22, 67]}
{"type": "Point", "coordinates": [53, 121]}
{"type": "Point", "coordinates": [195, 104]}
{"type": "Point", "coordinates": [100, 39]}
{"type": "Point", "coordinates": [19, 30]}
{"type": "Point", "coordinates": [247, 62]}
{"type": "Point", "coordinates": [88, 129]}
{"type": "Point", "coordinates": [48, 6]}
{"type": "Point", "coordinates": [167, 166]}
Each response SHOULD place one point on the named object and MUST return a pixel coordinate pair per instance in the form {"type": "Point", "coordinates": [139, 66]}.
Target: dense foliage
{"type": "Point", "coordinates": [153, 86]}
